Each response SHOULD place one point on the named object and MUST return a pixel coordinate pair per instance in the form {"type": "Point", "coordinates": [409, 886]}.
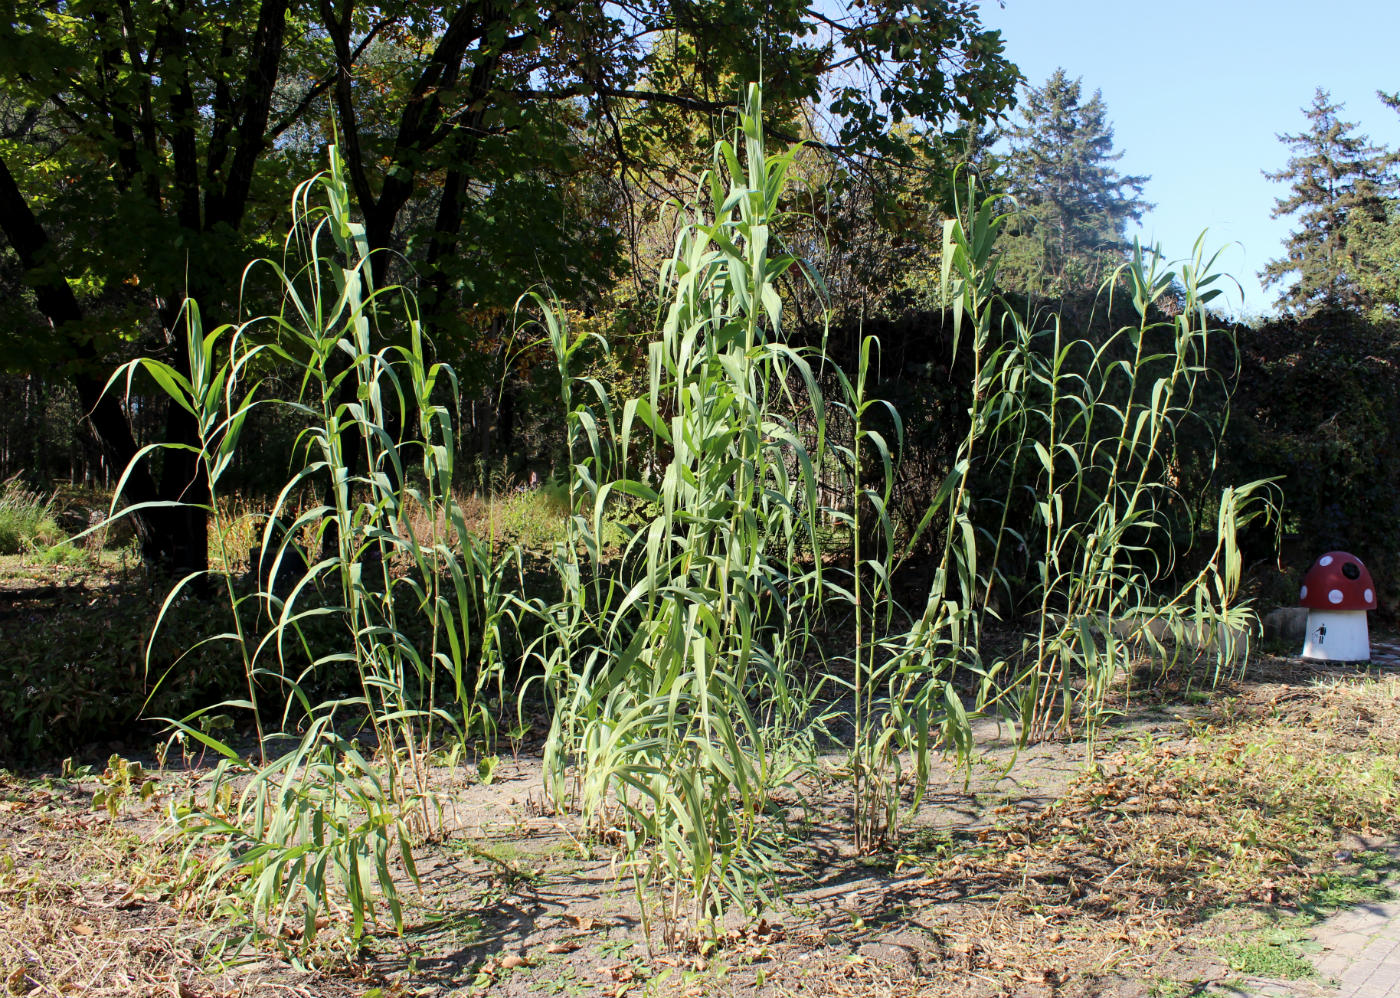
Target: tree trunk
{"type": "Point", "coordinates": [108, 429]}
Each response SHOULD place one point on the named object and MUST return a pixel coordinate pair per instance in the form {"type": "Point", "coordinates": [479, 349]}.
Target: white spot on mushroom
{"type": "Point", "coordinates": [1369, 595]}
{"type": "Point", "coordinates": [1326, 560]}
{"type": "Point", "coordinates": [1334, 596]}
{"type": "Point", "coordinates": [1303, 593]}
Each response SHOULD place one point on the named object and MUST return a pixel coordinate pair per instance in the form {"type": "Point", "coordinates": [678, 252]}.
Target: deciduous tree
{"type": "Point", "coordinates": [172, 129]}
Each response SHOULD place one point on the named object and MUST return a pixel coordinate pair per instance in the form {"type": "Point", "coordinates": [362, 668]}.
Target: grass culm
{"type": "Point", "coordinates": [682, 650]}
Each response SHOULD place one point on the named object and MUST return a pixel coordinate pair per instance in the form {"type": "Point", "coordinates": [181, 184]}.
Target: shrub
{"type": "Point", "coordinates": [1316, 407]}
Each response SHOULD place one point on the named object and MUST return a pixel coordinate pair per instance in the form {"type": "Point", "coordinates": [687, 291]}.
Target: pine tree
{"type": "Point", "coordinates": [1077, 206]}
{"type": "Point", "coordinates": [1340, 187]}
{"type": "Point", "coordinates": [1377, 242]}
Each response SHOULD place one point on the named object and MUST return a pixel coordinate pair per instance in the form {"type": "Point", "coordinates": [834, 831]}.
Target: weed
{"type": "Point", "coordinates": [1167, 987]}
{"type": "Point", "coordinates": [463, 928]}
{"type": "Point", "coordinates": [565, 981]}
{"type": "Point", "coordinates": [123, 781]}
{"type": "Point", "coordinates": [62, 553]}
{"type": "Point", "coordinates": [512, 864]}
{"type": "Point", "coordinates": [1333, 890]}
{"type": "Point", "coordinates": [615, 948]}
{"type": "Point", "coordinates": [1268, 952]}
{"type": "Point", "coordinates": [69, 773]}
{"type": "Point", "coordinates": [1378, 861]}
{"type": "Point", "coordinates": [535, 518]}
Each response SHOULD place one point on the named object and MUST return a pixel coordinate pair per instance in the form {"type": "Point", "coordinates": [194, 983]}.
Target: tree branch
{"type": "Point", "coordinates": [254, 107]}
{"type": "Point", "coordinates": [324, 83]}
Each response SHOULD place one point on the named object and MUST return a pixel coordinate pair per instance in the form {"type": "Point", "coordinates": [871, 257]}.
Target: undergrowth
{"type": "Point", "coordinates": [1172, 844]}
{"type": "Point", "coordinates": [26, 522]}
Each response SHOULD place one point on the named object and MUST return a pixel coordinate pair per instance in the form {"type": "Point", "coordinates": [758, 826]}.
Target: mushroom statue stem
{"type": "Point", "coordinates": [1337, 592]}
{"type": "Point", "coordinates": [1337, 636]}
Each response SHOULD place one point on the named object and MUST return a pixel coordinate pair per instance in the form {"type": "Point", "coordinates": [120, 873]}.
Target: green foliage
{"type": "Point", "coordinates": [1375, 237]}
{"type": "Point", "coordinates": [317, 825]}
{"type": "Point", "coordinates": [1316, 408]}
{"type": "Point", "coordinates": [1081, 435]}
{"type": "Point", "coordinates": [98, 78]}
{"type": "Point", "coordinates": [26, 522]}
{"type": "Point", "coordinates": [1340, 191]}
{"type": "Point", "coordinates": [123, 781]}
{"type": "Point", "coordinates": [1070, 234]}
{"type": "Point", "coordinates": [644, 659]}
{"type": "Point", "coordinates": [668, 672]}
{"type": "Point", "coordinates": [1268, 952]}
{"type": "Point", "coordinates": [681, 658]}
{"type": "Point", "coordinates": [482, 144]}
{"type": "Point", "coordinates": [80, 670]}
{"type": "Point", "coordinates": [534, 518]}
{"type": "Point", "coordinates": [479, 140]}
{"type": "Point", "coordinates": [63, 553]}
{"type": "Point", "coordinates": [872, 233]}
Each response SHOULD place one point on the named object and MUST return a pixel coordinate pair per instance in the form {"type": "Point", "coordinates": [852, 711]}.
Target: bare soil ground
{"type": "Point", "coordinates": [1201, 823]}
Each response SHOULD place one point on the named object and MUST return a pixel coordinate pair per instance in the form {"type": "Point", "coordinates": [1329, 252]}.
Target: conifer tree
{"type": "Point", "coordinates": [1377, 240]}
{"type": "Point", "coordinates": [1060, 168]}
{"type": "Point", "coordinates": [1339, 189]}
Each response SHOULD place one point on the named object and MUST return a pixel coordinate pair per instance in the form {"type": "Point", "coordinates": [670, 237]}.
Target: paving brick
{"type": "Point", "coordinates": [1382, 948]}
{"type": "Point", "coordinates": [1348, 943]}
{"type": "Point", "coordinates": [1357, 976]}
{"type": "Point", "coordinates": [1380, 983]}
{"type": "Point", "coordinates": [1332, 965]}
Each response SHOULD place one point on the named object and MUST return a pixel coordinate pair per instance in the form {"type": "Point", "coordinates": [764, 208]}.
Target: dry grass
{"type": "Point", "coordinates": [60, 940]}
{"type": "Point", "coordinates": [1125, 873]}
{"type": "Point", "coordinates": [531, 516]}
{"type": "Point", "coordinates": [93, 906]}
{"type": "Point", "coordinates": [84, 909]}
{"type": "Point", "coordinates": [1242, 810]}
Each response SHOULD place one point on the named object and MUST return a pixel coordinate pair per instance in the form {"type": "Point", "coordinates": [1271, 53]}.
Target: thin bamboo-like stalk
{"type": "Point", "coordinates": [314, 827]}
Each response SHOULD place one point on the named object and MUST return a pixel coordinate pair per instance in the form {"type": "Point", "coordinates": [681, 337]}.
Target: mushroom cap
{"type": "Point", "coordinates": [1338, 581]}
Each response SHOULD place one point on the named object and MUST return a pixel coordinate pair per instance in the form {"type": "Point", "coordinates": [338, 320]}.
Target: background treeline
{"type": "Point", "coordinates": [148, 150]}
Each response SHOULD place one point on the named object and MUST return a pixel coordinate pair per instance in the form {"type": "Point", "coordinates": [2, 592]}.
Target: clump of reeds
{"type": "Point", "coordinates": [26, 519]}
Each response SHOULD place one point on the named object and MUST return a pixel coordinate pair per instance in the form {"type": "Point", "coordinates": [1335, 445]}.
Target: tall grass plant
{"type": "Point", "coordinates": [676, 718]}
{"type": "Point", "coordinates": [1083, 435]}
{"type": "Point", "coordinates": [687, 658]}
{"type": "Point", "coordinates": [326, 815]}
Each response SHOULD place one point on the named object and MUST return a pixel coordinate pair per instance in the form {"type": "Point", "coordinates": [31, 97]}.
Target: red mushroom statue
{"type": "Point", "coordinates": [1337, 592]}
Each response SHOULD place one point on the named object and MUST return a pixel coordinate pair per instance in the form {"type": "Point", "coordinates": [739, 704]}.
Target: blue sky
{"type": "Point", "coordinates": [1199, 91]}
